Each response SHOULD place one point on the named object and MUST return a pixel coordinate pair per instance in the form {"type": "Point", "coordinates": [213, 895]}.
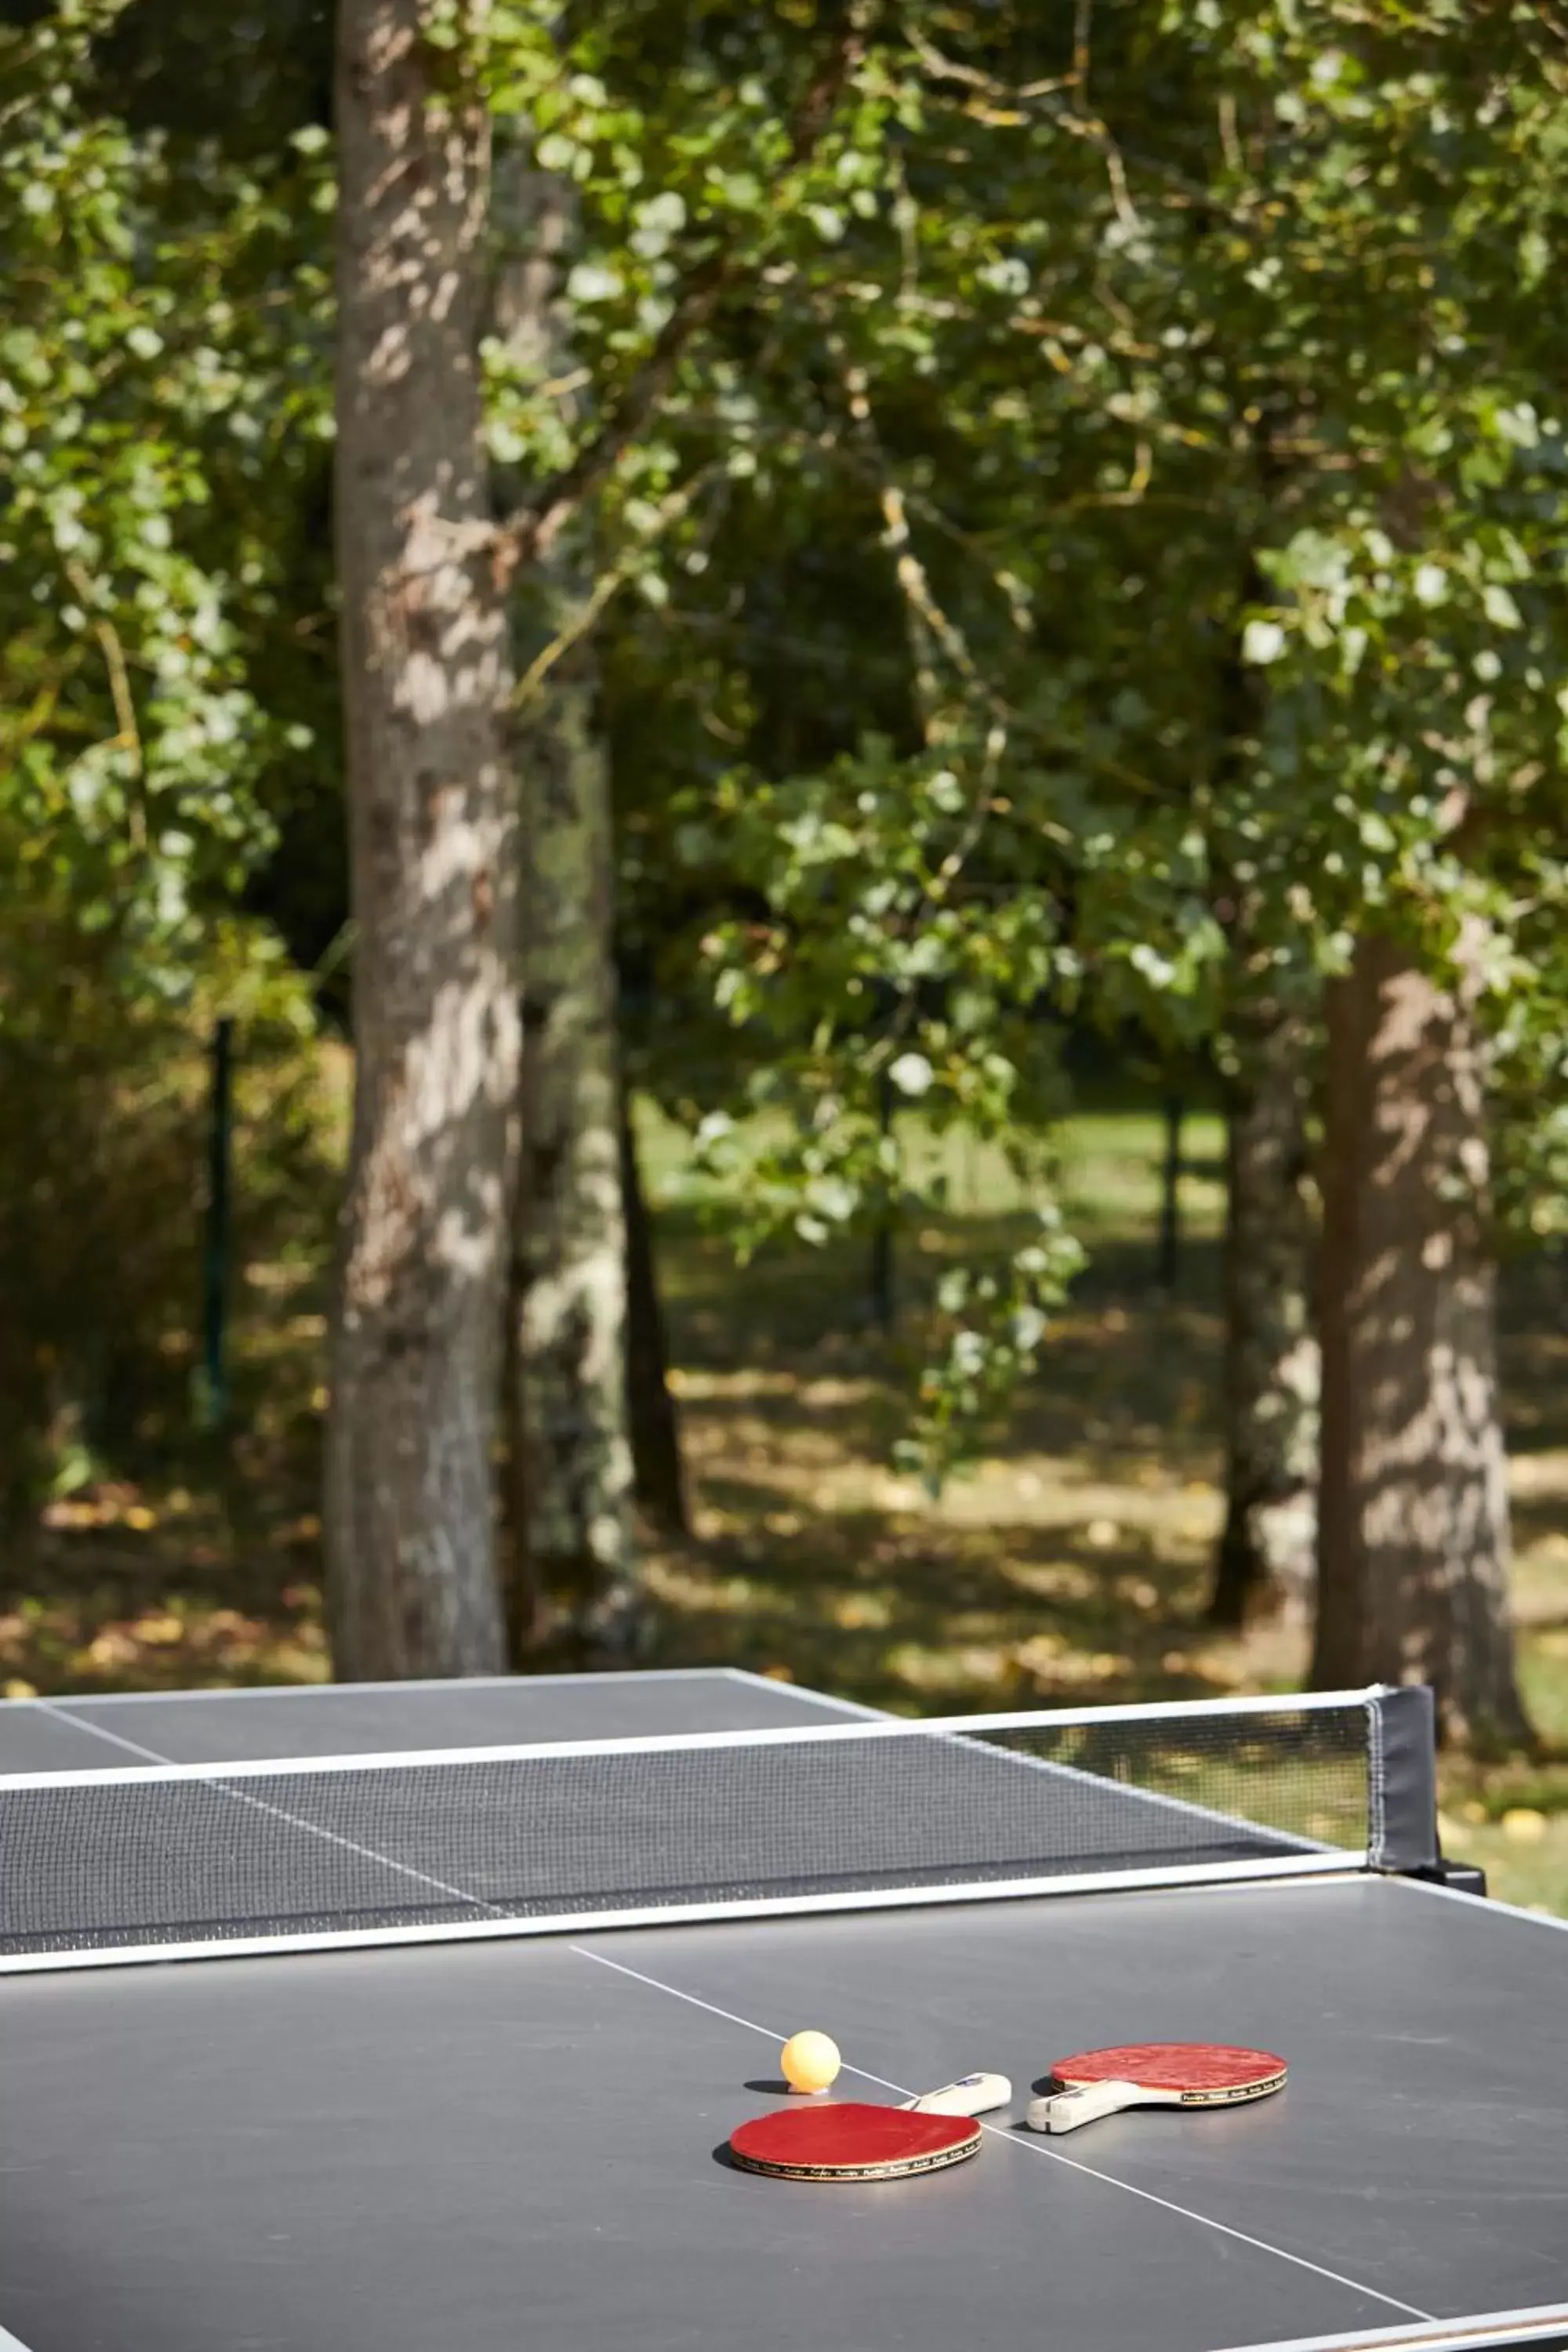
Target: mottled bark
{"type": "Point", "coordinates": [656, 1466]}
{"type": "Point", "coordinates": [413, 1585]}
{"type": "Point", "coordinates": [1266, 1554]}
{"type": "Point", "coordinates": [570, 1446]}
{"type": "Point", "coordinates": [570, 1243]}
{"type": "Point", "coordinates": [1414, 1513]}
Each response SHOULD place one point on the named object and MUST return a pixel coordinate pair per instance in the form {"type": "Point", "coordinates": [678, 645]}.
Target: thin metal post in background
{"type": "Point", "coordinates": [1171, 1196]}
{"type": "Point", "coordinates": [883, 1304]}
{"type": "Point", "coordinates": [215, 1254]}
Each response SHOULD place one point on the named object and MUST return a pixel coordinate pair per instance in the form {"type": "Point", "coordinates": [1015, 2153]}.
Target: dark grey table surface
{"type": "Point", "coordinates": [485, 2147]}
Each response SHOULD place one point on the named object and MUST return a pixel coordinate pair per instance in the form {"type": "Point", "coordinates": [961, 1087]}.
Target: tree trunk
{"type": "Point", "coordinates": [572, 1462]}
{"type": "Point", "coordinates": [656, 1466]}
{"type": "Point", "coordinates": [1266, 1552]}
{"type": "Point", "coordinates": [410, 1515]}
{"type": "Point", "coordinates": [1414, 1513]}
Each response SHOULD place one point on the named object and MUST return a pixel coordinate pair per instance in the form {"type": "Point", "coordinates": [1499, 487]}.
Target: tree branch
{"type": "Point", "coordinates": [608, 585]}
{"type": "Point", "coordinates": [533, 529]}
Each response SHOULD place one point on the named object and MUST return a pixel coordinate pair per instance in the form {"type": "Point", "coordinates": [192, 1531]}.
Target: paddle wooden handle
{"type": "Point", "coordinates": [973, 2094]}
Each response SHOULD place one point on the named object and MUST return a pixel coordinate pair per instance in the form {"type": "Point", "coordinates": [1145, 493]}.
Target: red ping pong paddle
{"type": "Point", "coordinates": [851, 2140]}
{"type": "Point", "coordinates": [1096, 2082]}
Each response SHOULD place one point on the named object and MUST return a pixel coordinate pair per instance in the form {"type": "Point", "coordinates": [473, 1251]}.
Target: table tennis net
{"type": "Point", "coordinates": [169, 1860]}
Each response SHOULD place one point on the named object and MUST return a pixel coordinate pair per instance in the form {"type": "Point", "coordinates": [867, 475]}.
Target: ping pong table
{"type": "Point", "coordinates": [479, 2101]}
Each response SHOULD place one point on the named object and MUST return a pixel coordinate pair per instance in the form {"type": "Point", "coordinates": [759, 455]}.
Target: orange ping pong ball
{"type": "Point", "coordinates": [810, 2062]}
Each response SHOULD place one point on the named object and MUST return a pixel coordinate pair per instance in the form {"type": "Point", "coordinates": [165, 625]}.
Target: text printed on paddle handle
{"type": "Point", "coordinates": [1064, 2111]}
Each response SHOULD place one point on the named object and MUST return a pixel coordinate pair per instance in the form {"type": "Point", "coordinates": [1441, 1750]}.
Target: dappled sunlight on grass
{"type": "Point", "coordinates": [1521, 1846]}
{"type": "Point", "coordinates": [95, 1637]}
{"type": "Point", "coordinates": [1039, 1574]}
{"type": "Point", "coordinates": [158, 1588]}
{"type": "Point", "coordinates": [1070, 1564]}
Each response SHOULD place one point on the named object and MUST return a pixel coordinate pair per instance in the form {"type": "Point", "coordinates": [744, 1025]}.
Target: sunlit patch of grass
{"type": "Point", "coordinates": [945, 1675]}
{"type": "Point", "coordinates": [1523, 1851]}
{"type": "Point", "coordinates": [1544, 1680]}
{"type": "Point", "coordinates": [1111, 1172]}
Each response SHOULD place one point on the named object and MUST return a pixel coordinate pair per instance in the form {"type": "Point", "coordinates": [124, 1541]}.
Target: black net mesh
{"type": "Point", "coordinates": [542, 1835]}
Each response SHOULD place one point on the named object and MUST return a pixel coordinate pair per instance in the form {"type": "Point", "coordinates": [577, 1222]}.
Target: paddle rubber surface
{"type": "Point", "coordinates": [1196, 2069]}
{"type": "Point", "coordinates": [853, 2141]}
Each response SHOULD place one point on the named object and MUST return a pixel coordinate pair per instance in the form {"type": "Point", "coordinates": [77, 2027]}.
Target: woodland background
{"type": "Point", "coordinates": [781, 824]}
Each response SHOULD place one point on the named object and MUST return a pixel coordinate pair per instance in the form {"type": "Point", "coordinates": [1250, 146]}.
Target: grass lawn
{"type": "Point", "coordinates": [1070, 1564]}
